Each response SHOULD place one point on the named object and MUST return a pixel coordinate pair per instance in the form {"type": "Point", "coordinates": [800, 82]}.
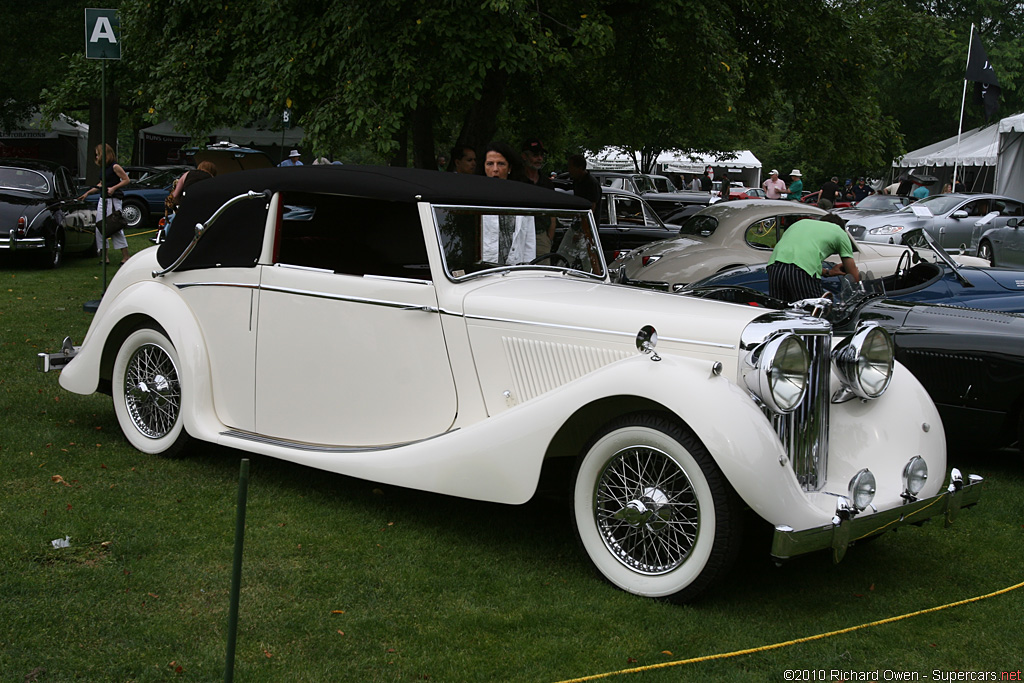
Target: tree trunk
{"type": "Point", "coordinates": [481, 120]}
{"type": "Point", "coordinates": [424, 153]}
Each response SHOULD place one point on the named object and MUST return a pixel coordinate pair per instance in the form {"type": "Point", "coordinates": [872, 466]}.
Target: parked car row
{"type": "Point", "coordinates": [678, 415]}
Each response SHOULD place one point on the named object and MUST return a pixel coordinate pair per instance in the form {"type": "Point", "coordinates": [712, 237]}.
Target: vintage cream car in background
{"type": "Point", "coordinates": [369, 321]}
{"type": "Point", "coordinates": [738, 233]}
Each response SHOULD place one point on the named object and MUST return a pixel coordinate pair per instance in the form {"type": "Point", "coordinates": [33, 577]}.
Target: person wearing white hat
{"type": "Point", "coordinates": [292, 160]}
{"type": "Point", "coordinates": [796, 188]}
{"type": "Point", "coordinates": [774, 187]}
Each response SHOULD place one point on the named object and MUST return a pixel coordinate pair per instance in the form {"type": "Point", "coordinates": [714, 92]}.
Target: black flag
{"type": "Point", "coordinates": [986, 85]}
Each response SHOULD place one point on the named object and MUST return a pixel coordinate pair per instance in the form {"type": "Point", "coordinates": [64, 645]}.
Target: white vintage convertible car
{"type": "Point", "coordinates": [388, 324]}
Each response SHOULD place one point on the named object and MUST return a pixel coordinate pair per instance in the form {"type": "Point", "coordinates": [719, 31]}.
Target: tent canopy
{"type": "Point", "coordinates": [741, 164]}
{"type": "Point", "coordinates": [993, 156]}
{"type": "Point", "coordinates": [63, 127]}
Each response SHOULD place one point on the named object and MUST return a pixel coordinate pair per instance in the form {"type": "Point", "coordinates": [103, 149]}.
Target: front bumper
{"type": "Point", "coordinates": [846, 528]}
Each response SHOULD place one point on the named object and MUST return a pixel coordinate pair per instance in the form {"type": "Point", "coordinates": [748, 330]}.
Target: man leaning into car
{"type": "Point", "coordinates": [795, 269]}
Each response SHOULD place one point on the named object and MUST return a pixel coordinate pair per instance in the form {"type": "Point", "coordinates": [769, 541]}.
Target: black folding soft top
{"type": "Point", "coordinates": [237, 237]}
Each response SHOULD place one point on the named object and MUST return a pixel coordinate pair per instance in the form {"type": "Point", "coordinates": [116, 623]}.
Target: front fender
{"type": "Point", "coordinates": [148, 304]}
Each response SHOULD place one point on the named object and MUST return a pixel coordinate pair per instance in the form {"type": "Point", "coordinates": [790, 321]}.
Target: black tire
{"type": "Point", "coordinates": [652, 510]}
{"type": "Point", "coordinates": [985, 252]}
{"type": "Point", "coordinates": [55, 249]}
{"type": "Point", "coordinates": [134, 212]}
{"type": "Point", "coordinates": [147, 393]}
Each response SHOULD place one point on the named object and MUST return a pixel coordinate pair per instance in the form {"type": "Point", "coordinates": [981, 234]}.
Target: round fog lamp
{"type": "Point", "coordinates": [915, 475]}
{"type": "Point", "coordinates": [862, 489]}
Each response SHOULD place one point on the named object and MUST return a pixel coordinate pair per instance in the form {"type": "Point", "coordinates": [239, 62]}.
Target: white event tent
{"type": "Point", "coordinates": [65, 141]}
{"type": "Point", "coordinates": [989, 159]}
{"type": "Point", "coordinates": [741, 165]}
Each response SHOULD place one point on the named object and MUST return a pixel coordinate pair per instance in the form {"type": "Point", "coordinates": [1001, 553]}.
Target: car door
{"type": "Point", "coordinates": [75, 215]}
{"type": "Point", "coordinates": [631, 224]}
{"type": "Point", "coordinates": [955, 229]}
{"type": "Point", "coordinates": [350, 350]}
{"type": "Point", "coordinates": [1008, 240]}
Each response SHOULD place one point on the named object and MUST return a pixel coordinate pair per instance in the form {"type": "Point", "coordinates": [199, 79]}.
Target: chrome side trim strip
{"type": "Point", "coordinates": [618, 333]}
{"type": "Point", "coordinates": [322, 448]}
{"type": "Point", "coordinates": [316, 295]}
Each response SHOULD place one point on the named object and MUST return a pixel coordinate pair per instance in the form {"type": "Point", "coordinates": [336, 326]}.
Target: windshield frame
{"type": "Point", "coordinates": [586, 216]}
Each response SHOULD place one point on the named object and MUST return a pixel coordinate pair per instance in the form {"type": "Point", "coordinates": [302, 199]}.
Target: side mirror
{"type": "Point", "coordinates": [1012, 223]}
{"type": "Point", "coordinates": [959, 213]}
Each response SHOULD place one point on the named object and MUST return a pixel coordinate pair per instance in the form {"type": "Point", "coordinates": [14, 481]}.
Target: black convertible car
{"type": "Point", "coordinates": [40, 214]}
{"type": "Point", "coordinates": [971, 362]}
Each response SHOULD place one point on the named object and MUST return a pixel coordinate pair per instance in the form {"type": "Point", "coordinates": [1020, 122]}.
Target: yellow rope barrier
{"type": "Point", "coordinates": [798, 641]}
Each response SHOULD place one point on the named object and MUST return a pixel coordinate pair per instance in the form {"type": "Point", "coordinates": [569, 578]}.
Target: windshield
{"type": "Point", "coordinates": [939, 204]}
{"type": "Point", "coordinates": [23, 179]}
{"type": "Point", "coordinates": [882, 201]}
{"type": "Point", "coordinates": [158, 179]}
{"type": "Point", "coordinates": [699, 225]}
{"type": "Point", "coordinates": [663, 184]}
{"type": "Point", "coordinates": [478, 240]}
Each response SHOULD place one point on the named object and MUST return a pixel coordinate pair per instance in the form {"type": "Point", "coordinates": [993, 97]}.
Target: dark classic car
{"type": "Point", "coordinates": [144, 198]}
{"type": "Point", "coordinates": [970, 362]}
{"type": "Point", "coordinates": [628, 222]}
{"type": "Point", "coordinates": [925, 274]}
{"type": "Point", "coordinates": [664, 203]}
{"type": "Point", "coordinates": [40, 215]}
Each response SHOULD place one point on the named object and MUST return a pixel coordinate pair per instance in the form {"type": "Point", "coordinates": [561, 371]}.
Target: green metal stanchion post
{"type": "Point", "coordinates": [236, 573]}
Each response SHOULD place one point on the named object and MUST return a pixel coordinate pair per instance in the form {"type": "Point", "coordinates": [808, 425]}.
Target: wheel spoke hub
{"type": "Point", "coordinates": [646, 510]}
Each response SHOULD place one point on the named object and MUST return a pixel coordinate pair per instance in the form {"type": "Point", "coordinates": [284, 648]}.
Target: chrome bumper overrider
{"type": "Point", "coordinates": [846, 528]}
{"type": "Point", "coordinates": [55, 361]}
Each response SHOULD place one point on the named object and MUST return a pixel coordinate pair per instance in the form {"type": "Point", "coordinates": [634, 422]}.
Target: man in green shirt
{"type": "Point", "coordinates": [796, 188]}
{"type": "Point", "coordinates": [795, 269]}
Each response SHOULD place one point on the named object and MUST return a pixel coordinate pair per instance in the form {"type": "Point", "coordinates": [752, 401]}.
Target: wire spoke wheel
{"type": "Point", "coordinates": [652, 510]}
{"type": "Point", "coordinates": [152, 391]}
{"type": "Point", "coordinates": [646, 510]}
{"type": "Point", "coordinates": [149, 397]}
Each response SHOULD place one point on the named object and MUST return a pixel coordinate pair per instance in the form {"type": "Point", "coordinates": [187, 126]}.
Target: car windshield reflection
{"type": "Point", "coordinates": [480, 240]}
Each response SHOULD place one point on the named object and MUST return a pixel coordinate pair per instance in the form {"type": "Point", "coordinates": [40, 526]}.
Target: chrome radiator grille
{"type": "Point", "coordinates": [804, 432]}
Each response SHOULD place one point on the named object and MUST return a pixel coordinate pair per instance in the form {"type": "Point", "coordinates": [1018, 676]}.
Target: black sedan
{"type": "Point", "coordinates": [40, 215]}
{"type": "Point", "coordinates": [970, 362]}
{"type": "Point", "coordinates": [627, 222]}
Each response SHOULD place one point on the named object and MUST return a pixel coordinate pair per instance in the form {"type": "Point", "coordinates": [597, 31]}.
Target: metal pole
{"type": "Point", "coordinates": [963, 99]}
{"type": "Point", "coordinates": [103, 172]}
{"type": "Point", "coordinates": [236, 572]}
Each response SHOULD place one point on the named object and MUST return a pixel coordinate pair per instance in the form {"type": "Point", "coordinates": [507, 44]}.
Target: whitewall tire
{"type": "Point", "coordinates": [147, 392]}
{"type": "Point", "coordinates": [652, 510]}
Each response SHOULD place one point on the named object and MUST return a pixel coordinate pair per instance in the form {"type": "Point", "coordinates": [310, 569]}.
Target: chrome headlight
{"type": "Point", "coordinates": [778, 372]}
{"type": "Point", "coordinates": [915, 475]}
{"type": "Point", "coordinates": [862, 489]}
{"type": "Point", "coordinates": [864, 361]}
{"type": "Point", "coordinates": [886, 230]}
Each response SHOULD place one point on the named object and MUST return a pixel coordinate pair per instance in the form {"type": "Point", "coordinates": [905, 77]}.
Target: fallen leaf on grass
{"type": "Point", "coordinates": [341, 633]}
{"type": "Point", "coordinates": [630, 660]}
{"type": "Point", "coordinates": [57, 479]}
{"type": "Point", "coordinates": [177, 667]}
{"type": "Point", "coordinates": [153, 595]}
{"type": "Point", "coordinates": [337, 611]}
{"type": "Point", "coordinates": [267, 653]}
{"type": "Point", "coordinates": [667, 652]}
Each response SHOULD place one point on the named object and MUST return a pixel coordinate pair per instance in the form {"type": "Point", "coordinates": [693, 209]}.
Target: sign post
{"type": "Point", "coordinates": [103, 42]}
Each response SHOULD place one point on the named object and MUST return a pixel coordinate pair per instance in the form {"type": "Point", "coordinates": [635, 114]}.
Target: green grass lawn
{"type": "Point", "coordinates": [346, 580]}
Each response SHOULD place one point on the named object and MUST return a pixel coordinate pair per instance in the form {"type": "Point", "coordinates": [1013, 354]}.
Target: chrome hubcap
{"type": "Point", "coordinates": [646, 510]}
{"type": "Point", "coordinates": [152, 393]}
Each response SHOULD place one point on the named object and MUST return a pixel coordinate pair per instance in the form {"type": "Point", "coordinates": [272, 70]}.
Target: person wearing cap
{"type": "Point", "coordinates": [796, 188]}
{"type": "Point", "coordinates": [795, 268]}
{"type": "Point", "coordinates": [848, 191]}
{"type": "Point", "coordinates": [292, 160]}
{"type": "Point", "coordinates": [774, 187]}
{"type": "Point", "coordinates": [533, 153]}
{"type": "Point", "coordinates": [860, 190]}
